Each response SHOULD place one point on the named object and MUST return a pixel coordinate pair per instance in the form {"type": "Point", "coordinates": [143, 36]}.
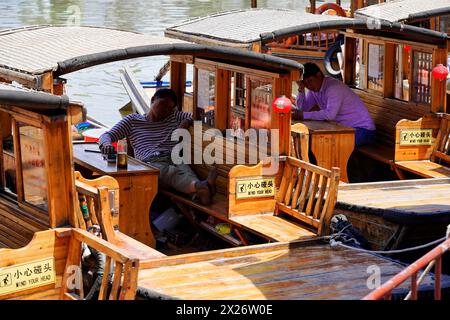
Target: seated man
{"type": "Point", "coordinates": [150, 137]}
{"type": "Point", "coordinates": [335, 101]}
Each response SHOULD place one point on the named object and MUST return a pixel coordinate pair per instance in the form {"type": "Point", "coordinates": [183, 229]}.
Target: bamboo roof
{"type": "Point", "coordinates": [245, 26]}
{"type": "Point", "coordinates": [31, 52]}
{"type": "Point", "coordinates": [242, 28]}
{"type": "Point", "coordinates": [405, 10]}
{"type": "Point", "coordinates": [37, 50]}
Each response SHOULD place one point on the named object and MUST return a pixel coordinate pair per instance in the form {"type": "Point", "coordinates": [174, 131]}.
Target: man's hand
{"type": "Point", "coordinates": [107, 149]}
{"type": "Point", "coordinates": [297, 114]}
{"type": "Point", "coordinates": [301, 86]}
{"type": "Point", "coordinates": [186, 123]}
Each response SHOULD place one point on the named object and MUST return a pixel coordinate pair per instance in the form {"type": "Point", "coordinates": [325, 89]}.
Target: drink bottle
{"type": "Point", "coordinates": [122, 154]}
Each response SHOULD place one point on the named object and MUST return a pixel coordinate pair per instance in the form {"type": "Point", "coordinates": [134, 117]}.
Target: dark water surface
{"type": "Point", "coordinates": [100, 87]}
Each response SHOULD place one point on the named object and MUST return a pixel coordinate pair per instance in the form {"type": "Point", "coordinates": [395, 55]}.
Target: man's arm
{"type": "Point", "coordinates": [305, 102]}
{"type": "Point", "coordinates": [184, 118]}
{"type": "Point", "coordinates": [119, 131]}
{"type": "Point", "coordinates": [329, 112]}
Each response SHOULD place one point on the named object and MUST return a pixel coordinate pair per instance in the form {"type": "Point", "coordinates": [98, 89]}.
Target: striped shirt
{"type": "Point", "coordinates": [147, 138]}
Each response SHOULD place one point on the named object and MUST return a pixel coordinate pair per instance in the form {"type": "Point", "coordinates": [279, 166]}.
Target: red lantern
{"type": "Point", "coordinates": [282, 105]}
{"type": "Point", "coordinates": [440, 72]}
{"type": "Point", "coordinates": [407, 49]}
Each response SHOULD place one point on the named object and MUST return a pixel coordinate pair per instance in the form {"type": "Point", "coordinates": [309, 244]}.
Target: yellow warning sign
{"type": "Point", "coordinates": [27, 276]}
{"type": "Point", "coordinates": [416, 137]}
{"type": "Point", "coordinates": [255, 188]}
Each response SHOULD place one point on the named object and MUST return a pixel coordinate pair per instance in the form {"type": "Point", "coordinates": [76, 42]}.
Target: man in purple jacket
{"type": "Point", "coordinates": [335, 102]}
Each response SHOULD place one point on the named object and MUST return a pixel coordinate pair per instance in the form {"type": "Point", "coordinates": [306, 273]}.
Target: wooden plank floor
{"type": "Point", "coordinates": [425, 195]}
{"type": "Point", "coordinates": [278, 271]}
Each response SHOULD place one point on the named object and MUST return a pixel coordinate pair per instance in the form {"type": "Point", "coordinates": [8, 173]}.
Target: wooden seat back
{"type": "Point", "coordinates": [120, 268]}
{"type": "Point", "coordinates": [308, 193]}
{"type": "Point", "coordinates": [98, 204]}
{"type": "Point", "coordinates": [240, 150]}
{"type": "Point", "coordinates": [417, 140]}
{"type": "Point", "coordinates": [52, 260]}
{"type": "Point", "coordinates": [300, 142]}
{"type": "Point", "coordinates": [441, 152]}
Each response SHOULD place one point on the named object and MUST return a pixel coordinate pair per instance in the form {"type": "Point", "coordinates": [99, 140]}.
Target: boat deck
{"type": "Point", "coordinates": [418, 198]}
{"type": "Point", "coordinates": [296, 270]}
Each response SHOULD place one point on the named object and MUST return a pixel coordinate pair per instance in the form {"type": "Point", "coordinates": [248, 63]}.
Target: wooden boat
{"type": "Point", "coordinates": [48, 194]}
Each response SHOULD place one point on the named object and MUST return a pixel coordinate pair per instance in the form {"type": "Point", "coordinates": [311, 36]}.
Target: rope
{"type": "Point", "coordinates": [335, 243]}
{"type": "Point", "coordinates": [422, 276]}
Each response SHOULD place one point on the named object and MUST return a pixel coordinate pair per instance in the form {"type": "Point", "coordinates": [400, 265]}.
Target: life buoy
{"type": "Point", "coordinates": [331, 6]}
{"type": "Point", "coordinates": [335, 48]}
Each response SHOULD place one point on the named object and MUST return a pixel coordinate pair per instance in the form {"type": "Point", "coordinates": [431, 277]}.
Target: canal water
{"type": "Point", "coordinates": [100, 88]}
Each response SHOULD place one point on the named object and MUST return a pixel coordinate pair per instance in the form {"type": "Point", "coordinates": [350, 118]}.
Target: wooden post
{"type": "Point", "coordinates": [282, 86]}
{"type": "Point", "coordinates": [223, 81]}
{"type": "Point", "coordinates": [312, 7]}
{"type": "Point", "coordinates": [58, 164]}
{"type": "Point", "coordinates": [349, 60]}
{"type": "Point", "coordinates": [178, 81]}
{"type": "Point", "coordinates": [389, 70]}
{"type": "Point", "coordinates": [254, 3]}
{"type": "Point", "coordinates": [438, 87]}
{"type": "Point", "coordinates": [47, 82]}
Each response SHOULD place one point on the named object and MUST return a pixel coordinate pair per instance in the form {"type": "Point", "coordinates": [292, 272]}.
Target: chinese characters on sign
{"type": "Point", "coordinates": [26, 276]}
{"type": "Point", "coordinates": [416, 137]}
{"type": "Point", "coordinates": [255, 188]}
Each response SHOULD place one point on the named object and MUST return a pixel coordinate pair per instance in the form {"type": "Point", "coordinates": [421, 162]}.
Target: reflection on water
{"type": "Point", "coordinates": [100, 87]}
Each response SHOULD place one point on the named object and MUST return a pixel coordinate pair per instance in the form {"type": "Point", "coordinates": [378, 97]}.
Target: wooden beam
{"type": "Point", "coordinates": [223, 83]}
{"type": "Point", "coordinates": [178, 81]}
{"type": "Point", "coordinates": [389, 70]}
{"type": "Point", "coordinates": [438, 87]}
{"type": "Point", "coordinates": [349, 60]}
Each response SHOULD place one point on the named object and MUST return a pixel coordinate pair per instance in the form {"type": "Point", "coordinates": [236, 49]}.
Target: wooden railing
{"type": "Point", "coordinates": [122, 267]}
{"type": "Point", "coordinates": [434, 256]}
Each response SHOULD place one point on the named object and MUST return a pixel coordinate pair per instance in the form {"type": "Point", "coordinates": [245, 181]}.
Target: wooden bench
{"type": "Point", "coordinates": [59, 250]}
{"type": "Point", "coordinates": [298, 206]}
{"type": "Point", "coordinates": [422, 147]}
{"type": "Point", "coordinates": [98, 205]}
{"type": "Point", "coordinates": [386, 113]}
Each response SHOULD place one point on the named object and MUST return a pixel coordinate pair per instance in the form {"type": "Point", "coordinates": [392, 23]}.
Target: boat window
{"type": "Point", "coordinates": [402, 71]}
{"type": "Point", "coordinates": [238, 103]}
{"type": "Point", "coordinates": [33, 165]}
{"type": "Point", "coordinates": [8, 179]}
{"type": "Point", "coordinates": [375, 67]}
{"type": "Point", "coordinates": [444, 24]}
{"type": "Point", "coordinates": [261, 99]}
{"type": "Point", "coordinates": [422, 66]}
{"type": "Point", "coordinates": [360, 65]}
{"type": "Point", "coordinates": [206, 84]}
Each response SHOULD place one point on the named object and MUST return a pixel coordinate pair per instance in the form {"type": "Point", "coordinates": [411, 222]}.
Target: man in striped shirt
{"type": "Point", "coordinates": [150, 138]}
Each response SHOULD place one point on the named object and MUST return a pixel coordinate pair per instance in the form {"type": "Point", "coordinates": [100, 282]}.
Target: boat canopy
{"type": "Point", "coordinates": [405, 10]}
{"type": "Point", "coordinates": [245, 27]}
{"type": "Point", "coordinates": [38, 50]}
